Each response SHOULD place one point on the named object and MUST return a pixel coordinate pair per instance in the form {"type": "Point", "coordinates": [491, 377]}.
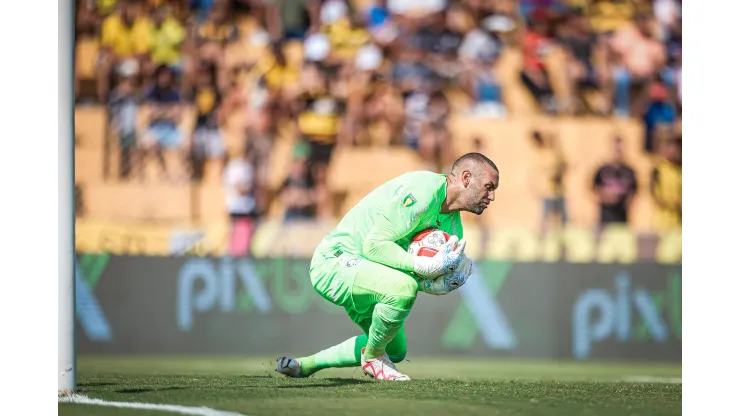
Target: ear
{"type": "Point", "coordinates": [466, 178]}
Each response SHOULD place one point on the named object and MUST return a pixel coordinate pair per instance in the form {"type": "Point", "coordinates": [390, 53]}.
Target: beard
{"type": "Point", "coordinates": [476, 206]}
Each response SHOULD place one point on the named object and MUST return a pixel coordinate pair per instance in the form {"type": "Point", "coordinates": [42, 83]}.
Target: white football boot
{"type": "Point", "coordinates": [289, 367]}
{"type": "Point", "coordinates": [381, 368]}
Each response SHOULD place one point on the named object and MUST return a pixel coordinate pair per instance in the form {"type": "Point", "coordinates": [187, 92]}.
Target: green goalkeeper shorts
{"type": "Point", "coordinates": [358, 284]}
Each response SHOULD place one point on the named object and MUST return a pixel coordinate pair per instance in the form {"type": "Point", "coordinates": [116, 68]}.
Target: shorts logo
{"type": "Point", "coordinates": [352, 262]}
{"type": "Point", "coordinates": [409, 200]}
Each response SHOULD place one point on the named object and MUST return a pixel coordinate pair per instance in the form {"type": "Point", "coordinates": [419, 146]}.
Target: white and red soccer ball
{"type": "Point", "coordinates": [428, 242]}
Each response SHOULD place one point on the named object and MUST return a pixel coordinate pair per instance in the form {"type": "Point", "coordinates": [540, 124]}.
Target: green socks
{"type": "Point", "coordinates": [346, 354]}
{"type": "Point", "coordinates": [387, 320]}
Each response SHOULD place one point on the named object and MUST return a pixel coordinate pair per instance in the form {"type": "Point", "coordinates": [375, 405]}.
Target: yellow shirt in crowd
{"type": "Point", "coordinates": [607, 16]}
{"type": "Point", "coordinates": [666, 186]}
{"type": "Point", "coordinates": [126, 41]}
{"type": "Point", "coordinates": [345, 40]}
{"type": "Point", "coordinates": [167, 41]}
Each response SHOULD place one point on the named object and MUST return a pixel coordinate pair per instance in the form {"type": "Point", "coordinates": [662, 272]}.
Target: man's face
{"type": "Point", "coordinates": [128, 11]}
{"type": "Point", "coordinates": [479, 190]}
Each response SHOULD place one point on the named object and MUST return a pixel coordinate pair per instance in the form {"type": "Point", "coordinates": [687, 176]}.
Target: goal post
{"type": "Point", "coordinates": [66, 244]}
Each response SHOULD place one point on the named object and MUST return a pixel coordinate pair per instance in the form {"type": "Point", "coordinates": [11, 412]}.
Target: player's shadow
{"type": "Point", "coordinates": [332, 382]}
{"type": "Point", "coordinates": [147, 390]}
{"type": "Point", "coordinates": [96, 384]}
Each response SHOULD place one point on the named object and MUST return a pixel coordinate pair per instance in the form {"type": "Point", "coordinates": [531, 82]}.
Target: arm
{"type": "Point", "coordinates": [654, 182]}
{"type": "Point", "coordinates": [380, 245]}
{"type": "Point", "coordinates": [398, 221]}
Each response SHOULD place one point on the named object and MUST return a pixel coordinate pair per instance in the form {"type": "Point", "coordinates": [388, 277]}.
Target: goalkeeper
{"type": "Point", "coordinates": [364, 266]}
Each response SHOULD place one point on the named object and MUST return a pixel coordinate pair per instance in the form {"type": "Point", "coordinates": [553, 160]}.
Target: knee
{"type": "Point", "coordinates": [405, 296]}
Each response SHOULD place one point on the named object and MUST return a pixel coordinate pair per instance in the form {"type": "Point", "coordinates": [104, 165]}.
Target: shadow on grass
{"type": "Point", "coordinates": [99, 384]}
{"type": "Point", "coordinates": [332, 382]}
{"type": "Point", "coordinates": [147, 390]}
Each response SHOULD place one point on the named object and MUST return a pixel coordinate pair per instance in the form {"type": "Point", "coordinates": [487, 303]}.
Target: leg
{"type": "Point", "coordinates": [622, 80]}
{"type": "Point", "coordinates": [378, 301]}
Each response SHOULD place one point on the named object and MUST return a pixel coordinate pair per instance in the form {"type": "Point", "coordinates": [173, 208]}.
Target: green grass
{"type": "Point", "coordinates": [451, 386]}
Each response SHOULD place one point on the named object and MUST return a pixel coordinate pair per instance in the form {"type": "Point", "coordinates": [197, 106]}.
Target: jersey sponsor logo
{"type": "Point", "coordinates": [409, 200]}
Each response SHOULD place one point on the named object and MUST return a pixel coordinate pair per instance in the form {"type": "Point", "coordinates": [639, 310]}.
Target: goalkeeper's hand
{"type": "Point", "coordinates": [449, 282]}
{"type": "Point", "coordinates": [445, 261]}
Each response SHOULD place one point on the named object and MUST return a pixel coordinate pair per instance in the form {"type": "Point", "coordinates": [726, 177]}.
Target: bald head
{"type": "Point", "coordinates": [472, 161]}
{"type": "Point", "coordinates": [472, 183]}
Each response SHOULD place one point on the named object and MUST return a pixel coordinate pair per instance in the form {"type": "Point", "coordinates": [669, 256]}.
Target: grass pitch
{"type": "Point", "coordinates": [453, 386]}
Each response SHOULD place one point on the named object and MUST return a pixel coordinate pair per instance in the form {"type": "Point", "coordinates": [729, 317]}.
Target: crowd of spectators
{"type": "Point", "coordinates": [374, 72]}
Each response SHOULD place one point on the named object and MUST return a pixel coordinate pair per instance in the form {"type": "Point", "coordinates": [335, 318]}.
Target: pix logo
{"type": "Point", "coordinates": [88, 270]}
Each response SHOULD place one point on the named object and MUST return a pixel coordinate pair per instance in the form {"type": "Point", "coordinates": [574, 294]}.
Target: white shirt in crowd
{"type": "Point", "coordinates": [239, 173]}
{"type": "Point", "coordinates": [411, 6]}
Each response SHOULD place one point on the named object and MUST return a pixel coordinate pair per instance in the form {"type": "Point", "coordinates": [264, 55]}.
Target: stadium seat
{"type": "Point", "coordinates": [142, 203]}
{"type": "Point", "coordinates": [88, 165]}
{"type": "Point", "coordinates": [669, 247]}
{"type": "Point", "coordinates": [513, 244]}
{"type": "Point", "coordinates": [580, 244]}
{"type": "Point", "coordinates": [618, 244]}
{"type": "Point", "coordinates": [86, 57]}
{"type": "Point", "coordinates": [211, 202]}
{"type": "Point", "coordinates": [367, 167]}
{"type": "Point", "coordinates": [516, 97]}
{"type": "Point", "coordinates": [90, 125]}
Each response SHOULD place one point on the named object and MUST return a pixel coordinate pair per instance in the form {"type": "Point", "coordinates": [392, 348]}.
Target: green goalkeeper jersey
{"type": "Point", "coordinates": [380, 227]}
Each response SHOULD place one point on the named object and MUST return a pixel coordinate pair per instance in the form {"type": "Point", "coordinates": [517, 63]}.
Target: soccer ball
{"type": "Point", "coordinates": [427, 243]}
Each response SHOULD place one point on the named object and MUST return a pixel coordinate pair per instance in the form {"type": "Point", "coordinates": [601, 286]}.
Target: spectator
{"type": "Point", "coordinates": [87, 20]}
{"type": "Point", "coordinates": [659, 110]}
{"type": "Point", "coordinates": [608, 16]}
{"type": "Point", "coordinates": [282, 81]}
{"type": "Point", "coordinates": [211, 38]}
{"type": "Point", "coordinates": [668, 14]}
{"type": "Point", "coordinates": [435, 142]}
{"type": "Point", "coordinates": [547, 179]}
{"type": "Point", "coordinates": [380, 116]}
{"type": "Point", "coordinates": [346, 36]}
{"type": "Point", "coordinates": [200, 9]}
{"type": "Point", "coordinates": [168, 36]}
{"type": "Point", "coordinates": [637, 58]}
{"type": "Point", "coordinates": [536, 45]}
{"type": "Point", "coordinates": [482, 43]}
{"type": "Point", "coordinates": [409, 72]}
{"type": "Point", "coordinates": [298, 193]}
{"type": "Point", "coordinates": [321, 109]}
{"type": "Point", "coordinates": [665, 185]}
{"type": "Point", "coordinates": [124, 108]}
{"type": "Point", "coordinates": [439, 43]}
{"type": "Point", "coordinates": [415, 9]}
{"type": "Point", "coordinates": [615, 185]}
{"type": "Point", "coordinates": [126, 38]}
{"type": "Point", "coordinates": [207, 142]}
{"type": "Point", "coordinates": [292, 19]}
{"type": "Point", "coordinates": [164, 110]}
{"type": "Point", "coordinates": [586, 59]}
{"type": "Point", "coordinates": [672, 74]}
{"type": "Point", "coordinates": [239, 187]}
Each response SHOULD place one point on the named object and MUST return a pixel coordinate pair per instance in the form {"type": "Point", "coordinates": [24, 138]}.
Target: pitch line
{"type": "Point", "coordinates": [172, 408]}
{"type": "Point", "coordinates": [650, 379]}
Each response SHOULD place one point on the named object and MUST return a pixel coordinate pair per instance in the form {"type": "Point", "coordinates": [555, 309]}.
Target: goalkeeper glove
{"type": "Point", "coordinates": [449, 282]}
{"type": "Point", "coordinates": [444, 261]}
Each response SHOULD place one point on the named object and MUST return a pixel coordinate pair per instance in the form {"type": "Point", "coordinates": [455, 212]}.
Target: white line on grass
{"type": "Point", "coordinates": [184, 410]}
{"type": "Point", "coordinates": [649, 379]}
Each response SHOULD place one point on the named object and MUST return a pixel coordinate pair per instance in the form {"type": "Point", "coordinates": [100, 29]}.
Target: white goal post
{"type": "Point", "coordinates": [65, 194]}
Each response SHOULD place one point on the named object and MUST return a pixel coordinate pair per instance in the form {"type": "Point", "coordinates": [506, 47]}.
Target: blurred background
{"type": "Point", "coordinates": [217, 141]}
